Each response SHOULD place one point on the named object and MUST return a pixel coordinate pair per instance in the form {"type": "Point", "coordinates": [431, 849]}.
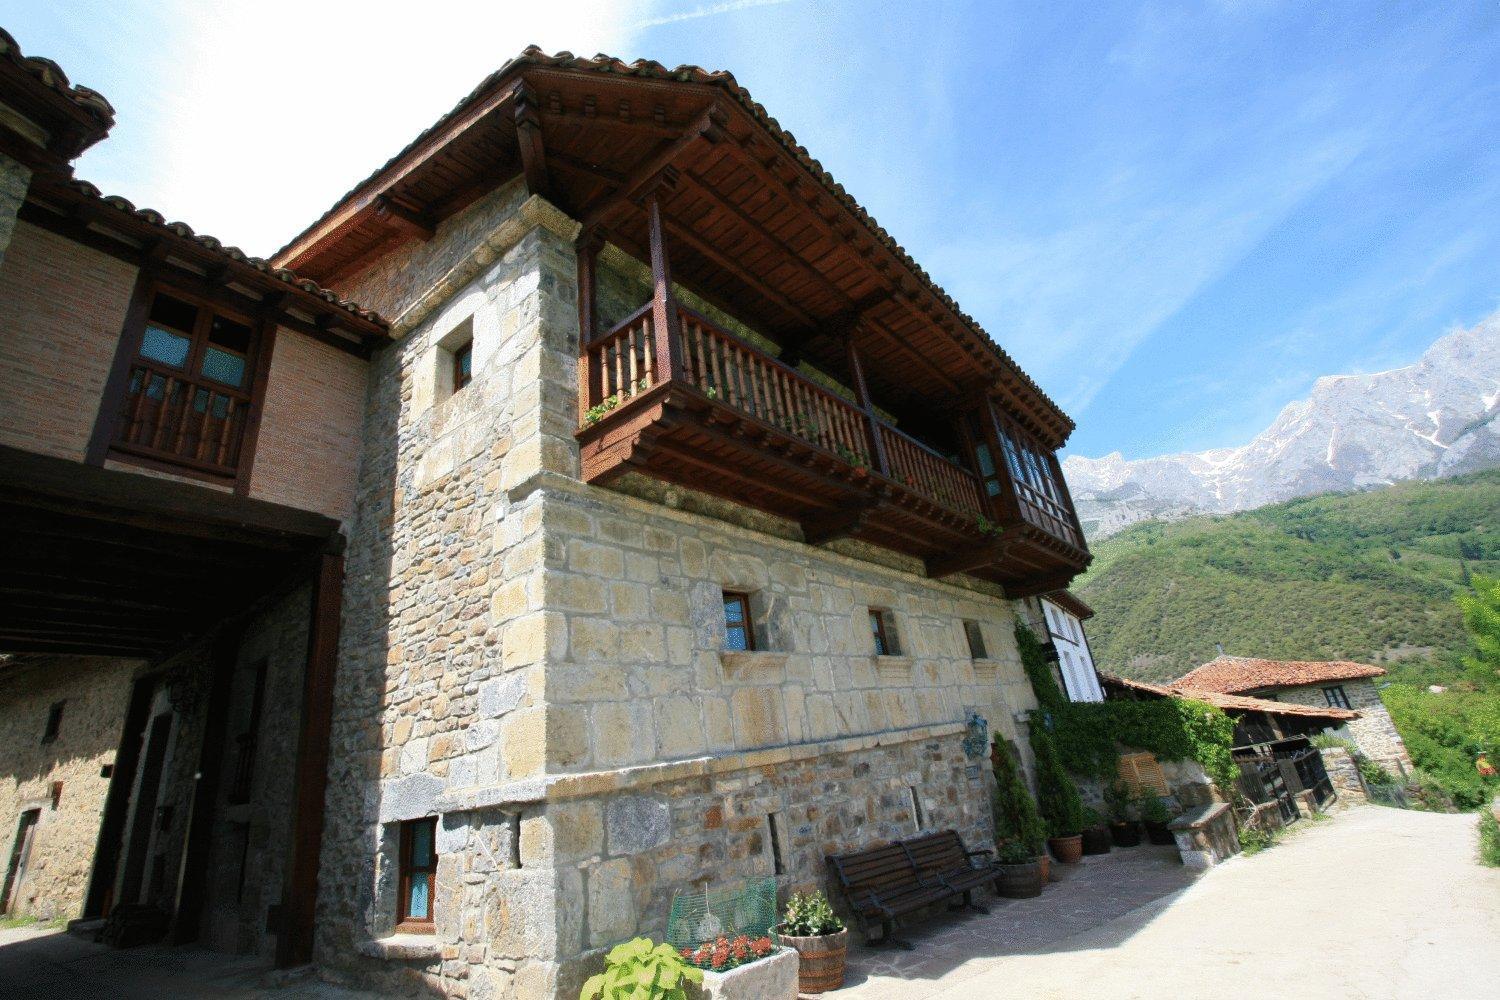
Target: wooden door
{"type": "Point", "coordinates": [15, 872]}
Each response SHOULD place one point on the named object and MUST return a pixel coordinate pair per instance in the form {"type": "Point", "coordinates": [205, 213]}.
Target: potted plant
{"type": "Point", "coordinates": [811, 929]}
{"type": "Point", "coordinates": [1020, 860]}
{"type": "Point", "coordinates": [1095, 832]}
{"type": "Point", "coordinates": [1155, 816]}
{"type": "Point", "coordinates": [1057, 800]}
{"type": "Point", "coordinates": [1122, 828]}
{"type": "Point", "coordinates": [640, 968]}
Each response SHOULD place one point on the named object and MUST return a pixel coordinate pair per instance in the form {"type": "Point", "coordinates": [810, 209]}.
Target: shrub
{"type": "Point", "coordinates": [1056, 795]}
{"type": "Point", "coordinates": [1117, 800]}
{"type": "Point", "coordinates": [641, 970]}
{"type": "Point", "coordinates": [1154, 809]}
{"type": "Point", "coordinates": [1092, 818]}
{"type": "Point", "coordinates": [1489, 839]}
{"type": "Point", "coordinates": [1013, 852]}
{"type": "Point", "coordinates": [809, 916]}
{"type": "Point", "coordinates": [1016, 818]}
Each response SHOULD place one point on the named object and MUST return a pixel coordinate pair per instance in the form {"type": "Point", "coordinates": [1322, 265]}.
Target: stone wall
{"type": "Point", "coordinates": [1343, 773]}
{"type": "Point", "coordinates": [1373, 732]}
{"type": "Point", "coordinates": [64, 306]}
{"type": "Point", "coordinates": [94, 692]}
{"type": "Point", "coordinates": [15, 178]}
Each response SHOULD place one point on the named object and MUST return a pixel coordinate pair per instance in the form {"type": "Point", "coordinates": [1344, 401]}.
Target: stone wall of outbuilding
{"type": "Point", "coordinates": [1373, 732]}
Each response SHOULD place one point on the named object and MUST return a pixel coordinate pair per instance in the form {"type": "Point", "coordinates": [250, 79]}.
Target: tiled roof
{"type": "Point", "coordinates": [49, 74]}
{"type": "Point", "coordinates": [1230, 702]}
{"type": "Point", "coordinates": [182, 229]}
{"type": "Point", "coordinates": [1233, 674]}
{"type": "Point", "coordinates": [649, 69]}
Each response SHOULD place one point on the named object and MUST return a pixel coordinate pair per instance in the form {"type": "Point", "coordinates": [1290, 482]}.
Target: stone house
{"type": "Point", "coordinates": [1321, 684]}
{"type": "Point", "coordinates": [594, 504]}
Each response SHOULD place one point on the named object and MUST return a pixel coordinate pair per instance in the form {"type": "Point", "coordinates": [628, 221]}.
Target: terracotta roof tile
{"type": "Point", "coordinates": [650, 69]}
{"type": "Point", "coordinates": [50, 74]}
{"type": "Point", "coordinates": [182, 229]}
{"type": "Point", "coordinates": [1234, 674]}
{"type": "Point", "coordinates": [1230, 702]}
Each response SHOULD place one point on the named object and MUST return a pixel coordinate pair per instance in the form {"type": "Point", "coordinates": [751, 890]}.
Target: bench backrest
{"type": "Point", "coordinates": [942, 851]}
{"type": "Point", "coordinates": [861, 872]}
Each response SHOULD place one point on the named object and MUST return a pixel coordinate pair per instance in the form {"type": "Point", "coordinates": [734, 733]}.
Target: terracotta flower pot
{"type": "Point", "coordinates": [1067, 850]}
{"type": "Point", "coordinates": [1125, 833]}
{"type": "Point", "coordinates": [1096, 840]}
{"type": "Point", "coordinates": [1023, 881]}
{"type": "Point", "coordinates": [820, 959]}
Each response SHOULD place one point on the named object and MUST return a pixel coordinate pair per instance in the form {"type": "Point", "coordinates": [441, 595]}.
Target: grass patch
{"type": "Point", "coordinates": [1489, 839]}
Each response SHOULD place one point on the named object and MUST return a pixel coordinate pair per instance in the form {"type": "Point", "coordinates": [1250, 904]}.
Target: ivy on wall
{"type": "Point", "coordinates": [1088, 734]}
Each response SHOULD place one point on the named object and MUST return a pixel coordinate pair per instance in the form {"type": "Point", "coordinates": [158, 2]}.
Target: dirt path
{"type": "Point", "coordinates": [1376, 903]}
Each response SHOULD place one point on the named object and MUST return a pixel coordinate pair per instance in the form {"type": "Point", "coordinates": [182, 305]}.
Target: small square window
{"type": "Point", "coordinates": [975, 635]}
{"type": "Point", "coordinates": [418, 865]}
{"type": "Point", "coordinates": [739, 630]}
{"type": "Point", "coordinates": [463, 366]}
{"type": "Point", "coordinates": [883, 630]}
{"type": "Point", "coordinates": [1336, 697]}
{"type": "Point", "coordinates": [54, 722]}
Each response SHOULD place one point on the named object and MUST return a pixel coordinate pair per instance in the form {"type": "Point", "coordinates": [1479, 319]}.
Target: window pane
{"type": "Point", "coordinates": [734, 637]}
{"type": "Point", "coordinates": [734, 611]}
{"type": "Point", "coordinates": [229, 334]}
{"type": "Point", "coordinates": [418, 906]}
{"type": "Point", "coordinates": [161, 344]}
{"type": "Point", "coordinates": [221, 366]}
{"type": "Point", "coordinates": [466, 362]}
{"type": "Point", "coordinates": [877, 628]}
{"type": "Point", "coordinates": [421, 846]}
{"type": "Point", "coordinates": [179, 315]}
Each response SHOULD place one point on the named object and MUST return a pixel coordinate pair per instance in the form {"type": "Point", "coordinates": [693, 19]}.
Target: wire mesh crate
{"type": "Point", "coordinates": [747, 907]}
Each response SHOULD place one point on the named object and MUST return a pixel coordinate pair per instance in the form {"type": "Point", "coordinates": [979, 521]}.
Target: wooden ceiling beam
{"type": "Point", "coordinates": [686, 235]}
{"type": "Point", "coordinates": [403, 219]}
{"type": "Point", "coordinates": [529, 139]}
{"type": "Point", "coordinates": [709, 127]}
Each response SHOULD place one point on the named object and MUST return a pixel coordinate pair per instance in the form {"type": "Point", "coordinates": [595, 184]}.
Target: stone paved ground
{"type": "Point", "coordinates": [1376, 903]}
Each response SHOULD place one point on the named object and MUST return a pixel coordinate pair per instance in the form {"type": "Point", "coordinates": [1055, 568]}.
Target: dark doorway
{"type": "Point", "coordinates": [145, 809]}
{"type": "Point", "coordinates": [20, 853]}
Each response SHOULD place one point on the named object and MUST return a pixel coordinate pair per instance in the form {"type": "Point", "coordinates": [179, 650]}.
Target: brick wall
{"type": "Point", "coordinates": [95, 692]}
{"type": "Point", "coordinates": [64, 306]}
{"type": "Point", "coordinates": [313, 417]}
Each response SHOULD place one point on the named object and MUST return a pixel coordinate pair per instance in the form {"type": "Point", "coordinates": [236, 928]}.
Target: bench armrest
{"type": "Point", "coordinates": [982, 850]}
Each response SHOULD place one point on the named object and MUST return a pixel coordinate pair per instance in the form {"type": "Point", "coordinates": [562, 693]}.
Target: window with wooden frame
{"type": "Point", "coordinates": [1336, 697]}
{"type": "Point", "coordinates": [975, 636]}
{"type": "Point", "coordinates": [190, 386]}
{"type": "Point", "coordinates": [739, 629]}
{"type": "Point", "coordinates": [418, 868]}
{"type": "Point", "coordinates": [883, 631]}
{"type": "Point", "coordinates": [54, 721]}
{"type": "Point", "coordinates": [463, 366]}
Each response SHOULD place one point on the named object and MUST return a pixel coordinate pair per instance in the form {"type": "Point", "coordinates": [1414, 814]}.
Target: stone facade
{"type": "Point", "coordinates": [539, 662]}
{"type": "Point", "coordinates": [1343, 773]}
{"type": "Point", "coordinates": [1373, 732]}
{"type": "Point", "coordinates": [93, 693]}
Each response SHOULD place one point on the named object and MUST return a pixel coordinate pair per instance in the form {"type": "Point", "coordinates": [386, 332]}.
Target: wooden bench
{"type": "Point", "coordinates": [883, 883]}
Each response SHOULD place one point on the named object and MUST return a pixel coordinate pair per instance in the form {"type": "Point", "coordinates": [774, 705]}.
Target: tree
{"type": "Point", "coordinates": [1056, 794]}
{"type": "Point", "coordinates": [1016, 818]}
{"type": "Point", "coordinates": [1482, 620]}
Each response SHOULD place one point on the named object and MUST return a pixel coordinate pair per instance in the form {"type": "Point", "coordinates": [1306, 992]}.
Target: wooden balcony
{"type": "Point", "coordinates": [733, 421]}
{"type": "Point", "coordinates": [185, 421]}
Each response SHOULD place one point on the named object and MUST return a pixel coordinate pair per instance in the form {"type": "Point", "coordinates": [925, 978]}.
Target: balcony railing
{"type": "Point", "coordinates": [185, 421]}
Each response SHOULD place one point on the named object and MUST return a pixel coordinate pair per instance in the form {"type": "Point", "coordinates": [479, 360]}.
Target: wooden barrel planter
{"type": "Point", "coordinates": [1023, 881]}
{"type": "Point", "coordinates": [1125, 833]}
{"type": "Point", "coordinates": [1158, 834]}
{"type": "Point", "coordinates": [1067, 850]}
{"type": "Point", "coordinates": [1096, 840]}
{"type": "Point", "coordinates": [821, 960]}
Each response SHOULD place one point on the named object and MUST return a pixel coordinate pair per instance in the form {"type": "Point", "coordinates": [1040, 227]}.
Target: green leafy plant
{"type": "Point", "coordinates": [1013, 852]}
{"type": "Point", "coordinates": [1056, 794]}
{"type": "Point", "coordinates": [1154, 809]}
{"type": "Point", "coordinates": [809, 915]}
{"type": "Point", "coordinates": [1016, 818]}
{"type": "Point", "coordinates": [1253, 839]}
{"type": "Point", "coordinates": [641, 970]}
{"type": "Point", "coordinates": [1092, 818]}
{"type": "Point", "coordinates": [1117, 800]}
{"type": "Point", "coordinates": [1489, 839]}
{"type": "Point", "coordinates": [987, 527]}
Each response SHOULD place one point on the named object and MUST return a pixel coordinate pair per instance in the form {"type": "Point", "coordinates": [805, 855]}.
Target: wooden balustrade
{"type": "Point", "coordinates": [920, 468]}
{"type": "Point", "coordinates": [755, 383]}
{"type": "Point", "coordinates": [1047, 513]}
{"type": "Point", "coordinates": [621, 364]}
{"type": "Point", "coordinates": [195, 422]}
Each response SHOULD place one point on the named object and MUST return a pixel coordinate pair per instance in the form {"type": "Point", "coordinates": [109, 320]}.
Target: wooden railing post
{"type": "Point", "coordinates": [664, 311]}
{"type": "Point", "coordinates": [872, 425]}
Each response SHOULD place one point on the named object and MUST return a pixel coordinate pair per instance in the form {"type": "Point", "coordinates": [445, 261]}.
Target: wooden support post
{"type": "Point", "coordinates": [664, 304]}
{"type": "Point", "coordinates": [192, 886]}
{"type": "Point", "coordinates": [862, 394]}
{"type": "Point", "coordinates": [590, 367]}
{"type": "Point", "coordinates": [117, 802]}
{"type": "Point", "coordinates": [529, 140]}
{"type": "Point", "coordinates": [299, 894]}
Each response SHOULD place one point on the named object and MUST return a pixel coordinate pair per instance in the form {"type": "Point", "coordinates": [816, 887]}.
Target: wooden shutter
{"type": "Point", "coordinates": [1142, 774]}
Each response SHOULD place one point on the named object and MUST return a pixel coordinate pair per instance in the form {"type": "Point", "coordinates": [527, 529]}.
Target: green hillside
{"type": "Point", "coordinates": [1368, 576]}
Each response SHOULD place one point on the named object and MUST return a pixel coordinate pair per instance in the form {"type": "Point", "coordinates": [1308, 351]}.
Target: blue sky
{"type": "Point", "coordinates": [1176, 216]}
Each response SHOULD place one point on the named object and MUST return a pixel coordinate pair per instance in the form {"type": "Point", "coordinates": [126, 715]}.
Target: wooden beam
{"type": "Point", "coordinates": [707, 128]}
{"type": "Point", "coordinates": [971, 558]}
{"type": "Point", "coordinates": [117, 799]}
{"type": "Point", "coordinates": [663, 302]}
{"type": "Point", "coordinates": [721, 259]}
{"type": "Point", "coordinates": [403, 219]}
{"type": "Point", "coordinates": [828, 526]}
{"type": "Point", "coordinates": [529, 137]}
{"type": "Point", "coordinates": [299, 898]}
{"type": "Point", "coordinates": [862, 396]}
